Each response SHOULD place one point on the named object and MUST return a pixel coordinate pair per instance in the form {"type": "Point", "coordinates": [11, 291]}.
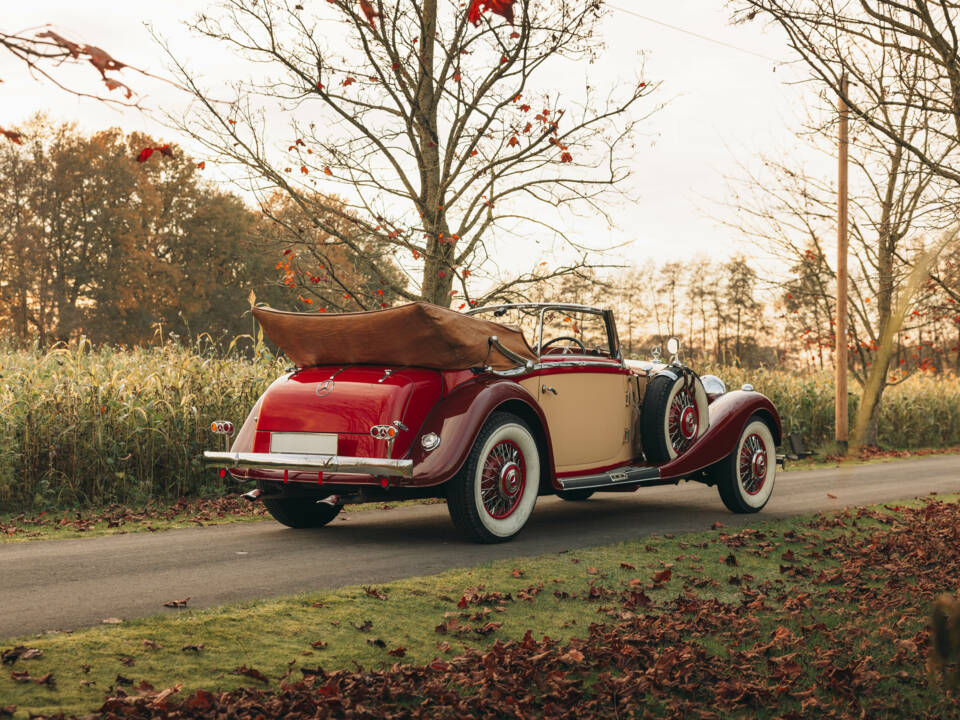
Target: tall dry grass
{"type": "Point", "coordinates": [85, 426]}
{"type": "Point", "coordinates": [81, 426]}
{"type": "Point", "coordinates": [922, 411]}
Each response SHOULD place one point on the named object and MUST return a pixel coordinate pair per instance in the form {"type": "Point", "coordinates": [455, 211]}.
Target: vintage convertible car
{"type": "Point", "coordinates": [420, 401]}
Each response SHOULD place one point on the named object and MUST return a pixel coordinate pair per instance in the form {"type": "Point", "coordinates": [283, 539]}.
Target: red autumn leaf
{"type": "Point", "coordinates": [303, 169]}
{"type": "Point", "coordinates": [328, 171]}
{"type": "Point", "coordinates": [513, 141]}
{"type": "Point", "coordinates": [201, 165]}
{"type": "Point", "coordinates": [12, 136]}
{"type": "Point", "coordinates": [517, 572]}
{"type": "Point", "coordinates": [145, 154]}
{"type": "Point", "coordinates": [831, 496]}
{"type": "Point", "coordinates": [456, 77]}
{"type": "Point", "coordinates": [374, 592]}
{"type": "Point", "coordinates": [627, 566]}
{"type": "Point", "coordinates": [165, 150]}
{"type": "Point", "coordinates": [500, 7]}
{"type": "Point", "coordinates": [369, 12]}
{"type": "Point", "coordinates": [349, 81]}
{"type": "Point", "coordinates": [398, 652]}
{"type": "Point", "coordinates": [251, 673]}
{"type": "Point", "coordinates": [566, 157]}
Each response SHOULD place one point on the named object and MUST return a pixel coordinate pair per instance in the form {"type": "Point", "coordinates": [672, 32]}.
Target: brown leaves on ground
{"type": "Point", "coordinates": [20, 652]}
{"type": "Point", "coordinates": [177, 603]}
{"type": "Point", "coordinates": [850, 646]}
{"type": "Point", "coordinates": [251, 673]}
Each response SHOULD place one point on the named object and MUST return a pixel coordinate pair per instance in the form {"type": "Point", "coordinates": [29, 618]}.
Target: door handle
{"type": "Point", "coordinates": [546, 388]}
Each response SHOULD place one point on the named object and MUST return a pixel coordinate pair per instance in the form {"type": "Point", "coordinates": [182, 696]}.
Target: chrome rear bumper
{"type": "Point", "coordinates": [316, 463]}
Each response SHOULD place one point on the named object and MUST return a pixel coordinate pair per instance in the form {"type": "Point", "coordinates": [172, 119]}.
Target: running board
{"type": "Point", "coordinates": [621, 476]}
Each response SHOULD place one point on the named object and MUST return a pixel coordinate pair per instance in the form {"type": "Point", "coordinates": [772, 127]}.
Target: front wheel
{"type": "Point", "coordinates": [493, 495]}
{"type": "Point", "coordinates": [745, 478]}
{"type": "Point", "coordinates": [301, 512]}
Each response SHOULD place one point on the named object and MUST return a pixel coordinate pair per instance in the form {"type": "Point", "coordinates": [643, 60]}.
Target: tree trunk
{"type": "Point", "coordinates": [440, 258]}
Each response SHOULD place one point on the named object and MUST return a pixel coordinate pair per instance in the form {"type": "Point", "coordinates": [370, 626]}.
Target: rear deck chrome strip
{"type": "Point", "coordinates": [620, 476]}
{"type": "Point", "coordinates": [318, 463]}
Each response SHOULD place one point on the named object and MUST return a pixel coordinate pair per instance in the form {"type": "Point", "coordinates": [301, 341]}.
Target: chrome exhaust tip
{"type": "Point", "coordinates": [331, 500]}
{"type": "Point", "coordinates": [253, 495]}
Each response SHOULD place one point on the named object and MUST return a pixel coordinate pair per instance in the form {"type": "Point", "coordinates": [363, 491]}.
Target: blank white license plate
{"type": "Point", "coordinates": [304, 443]}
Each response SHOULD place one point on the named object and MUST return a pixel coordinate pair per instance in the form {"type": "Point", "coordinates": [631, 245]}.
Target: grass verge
{"type": "Point", "coordinates": [152, 517]}
{"type": "Point", "coordinates": [820, 615]}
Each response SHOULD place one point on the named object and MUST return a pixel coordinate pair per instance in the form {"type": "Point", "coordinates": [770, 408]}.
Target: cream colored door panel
{"type": "Point", "coordinates": [589, 416]}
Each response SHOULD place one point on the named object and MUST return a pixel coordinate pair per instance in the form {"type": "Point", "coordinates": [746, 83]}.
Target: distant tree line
{"type": "Point", "coordinates": [96, 242]}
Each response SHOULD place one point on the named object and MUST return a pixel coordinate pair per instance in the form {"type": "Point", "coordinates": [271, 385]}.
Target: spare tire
{"type": "Point", "coordinates": [673, 416]}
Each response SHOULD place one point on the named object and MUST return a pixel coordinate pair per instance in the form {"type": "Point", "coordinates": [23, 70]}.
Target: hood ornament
{"type": "Point", "coordinates": [324, 388]}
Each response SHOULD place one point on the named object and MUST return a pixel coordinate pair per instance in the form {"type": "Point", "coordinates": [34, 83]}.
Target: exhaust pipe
{"type": "Point", "coordinates": [253, 495]}
{"type": "Point", "coordinates": [331, 500]}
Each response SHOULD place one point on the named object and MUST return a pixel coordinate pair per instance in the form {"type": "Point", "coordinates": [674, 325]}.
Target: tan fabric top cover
{"type": "Point", "coordinates": [414, 335]}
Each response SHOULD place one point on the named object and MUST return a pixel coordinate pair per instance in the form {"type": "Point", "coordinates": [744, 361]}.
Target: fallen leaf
{"type": "Point", "coordinates": [177, 603]}
{"type": "Point", "coordinates": [192, 648]}
{"type": "Point", "coordinates": [251, 673]}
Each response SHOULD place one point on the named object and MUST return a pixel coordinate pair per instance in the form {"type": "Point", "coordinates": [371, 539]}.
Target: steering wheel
{"type": "Point", "coordinates": [566, 350]}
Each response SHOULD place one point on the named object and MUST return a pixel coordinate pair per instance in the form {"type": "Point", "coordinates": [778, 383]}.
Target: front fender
{"type": "Point", "coordinates": [458, 418]}
{"type": "Point", "coordinates": [728, 416]}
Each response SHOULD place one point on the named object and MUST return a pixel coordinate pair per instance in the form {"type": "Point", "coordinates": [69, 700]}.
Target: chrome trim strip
{"type": "Point", "coordinates": [617, 476]}
{"type": "Point", "coordinates": [328, 463]}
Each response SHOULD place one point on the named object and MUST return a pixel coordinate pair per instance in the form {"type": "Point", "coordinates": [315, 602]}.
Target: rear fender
{"type": "Point", "coordinates": [458, 418]}
{"type": "Point", "coordinates": [728, 416]}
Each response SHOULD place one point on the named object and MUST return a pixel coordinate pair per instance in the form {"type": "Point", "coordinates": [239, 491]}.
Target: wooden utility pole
{"type": "Point", "coordinates": [840, 413]}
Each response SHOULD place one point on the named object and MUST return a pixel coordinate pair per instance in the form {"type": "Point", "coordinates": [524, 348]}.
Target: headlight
{"type": "Point", "coordinates": [713, 385]}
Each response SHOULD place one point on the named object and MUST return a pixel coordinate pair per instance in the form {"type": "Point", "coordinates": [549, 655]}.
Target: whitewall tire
{"type": "Point", "coordinates": [746, 477]}
{"type": "Point", "coordinates": [492, 497]}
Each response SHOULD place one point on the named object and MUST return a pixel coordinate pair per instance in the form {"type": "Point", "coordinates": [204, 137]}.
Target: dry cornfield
{"type": "Point", "coordinates": [90, 426]}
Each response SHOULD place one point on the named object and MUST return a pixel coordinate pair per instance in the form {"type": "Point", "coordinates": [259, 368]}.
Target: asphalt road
{"type": "Point", "coordinates": [66, 584]}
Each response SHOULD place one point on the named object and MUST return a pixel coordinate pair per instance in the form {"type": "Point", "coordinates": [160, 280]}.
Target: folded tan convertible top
{"type": "Point", "coordinates": [414, 335]}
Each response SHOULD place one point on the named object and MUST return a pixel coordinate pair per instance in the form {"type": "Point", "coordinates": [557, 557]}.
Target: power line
{"type": "Point", "coordinates": [693, 34]}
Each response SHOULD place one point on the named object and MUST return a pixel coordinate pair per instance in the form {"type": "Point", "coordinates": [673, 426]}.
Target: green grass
{"type": "Point", "coordinates": [274, 636]}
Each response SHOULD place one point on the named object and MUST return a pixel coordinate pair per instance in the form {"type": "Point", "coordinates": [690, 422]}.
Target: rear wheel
{"type": "Point", "coordinates": [301, 512]}
{"type": "Point", "coordinates": [745, 477]}
{"type": "Point", "coordinates": [575, 495]}
{"type": "Point", "coordinates": [493, 495]}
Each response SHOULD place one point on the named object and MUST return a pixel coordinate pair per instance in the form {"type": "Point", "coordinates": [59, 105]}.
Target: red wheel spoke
{"type": "Point", "coordinates": [503, 479]}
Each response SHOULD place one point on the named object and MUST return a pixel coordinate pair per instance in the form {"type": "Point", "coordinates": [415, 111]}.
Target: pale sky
{"type": "Point", "coordinates": [725, 106]}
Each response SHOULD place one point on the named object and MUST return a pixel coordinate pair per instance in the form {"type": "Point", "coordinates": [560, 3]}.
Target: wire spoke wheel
{"type": "Point", "coordinates": [683, 420]}
{"type": "Point", "coordinates": [492, 496]}
{"type": "Point", "coordinates": [745, 478]}
{"type": "Point", "coordinates": [503, 478]}
{"type": "Point", "coordinates": [753, 464]}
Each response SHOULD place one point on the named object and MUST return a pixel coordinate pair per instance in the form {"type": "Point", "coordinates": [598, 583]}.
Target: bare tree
{"type": "Point", "coordinates": [895, 200]}
{"type": "Point", "coordinates": [438, 133]}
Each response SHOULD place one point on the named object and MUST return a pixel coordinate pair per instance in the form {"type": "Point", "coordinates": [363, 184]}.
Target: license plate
{"type": "Point", "coordinates": [303, 443]}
